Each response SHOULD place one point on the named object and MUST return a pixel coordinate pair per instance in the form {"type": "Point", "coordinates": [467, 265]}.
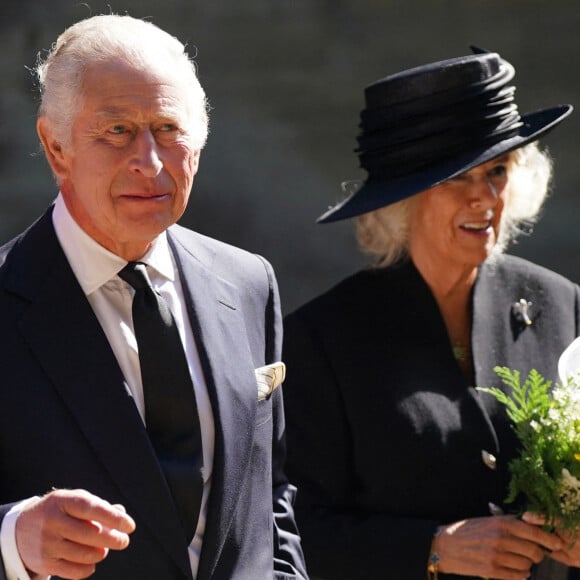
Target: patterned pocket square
{"type": "Point", "coordinates": [269, 378]}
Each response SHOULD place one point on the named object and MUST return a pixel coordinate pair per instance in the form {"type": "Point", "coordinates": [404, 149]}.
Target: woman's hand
{"type": "Point", "coordinates": [499, 547]}
{"type": "Point", "coordinates": [570, 552]}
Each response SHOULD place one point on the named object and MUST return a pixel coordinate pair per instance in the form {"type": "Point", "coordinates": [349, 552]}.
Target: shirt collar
{"type": "Point", "coordinates": [94, 265]}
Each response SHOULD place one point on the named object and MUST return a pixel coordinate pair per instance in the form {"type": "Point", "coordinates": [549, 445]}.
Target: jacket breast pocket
{"type": "Point", "coordinates": [264, 412]}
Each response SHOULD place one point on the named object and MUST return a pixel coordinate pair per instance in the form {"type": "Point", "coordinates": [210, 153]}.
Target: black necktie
{"type": "Point", "coordinates": [170, 409]}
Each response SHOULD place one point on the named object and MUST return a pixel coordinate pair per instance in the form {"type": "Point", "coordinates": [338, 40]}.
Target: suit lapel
{"type": "Point", "coordinates": [220, 335]}
{"type": "Point", "coordinates": [68, 341]}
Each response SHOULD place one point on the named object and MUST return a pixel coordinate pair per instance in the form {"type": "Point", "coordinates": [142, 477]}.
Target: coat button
{"type": "Point", "coordinates": [489, 459]}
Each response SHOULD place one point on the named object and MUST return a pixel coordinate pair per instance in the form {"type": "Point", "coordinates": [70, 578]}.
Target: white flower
{"type": "Point", "coordinates": [569, 492]}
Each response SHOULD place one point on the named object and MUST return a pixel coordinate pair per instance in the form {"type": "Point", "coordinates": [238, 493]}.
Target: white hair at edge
{"type": "Point", "coordinates": [112, 37]}
{"type": "Point", "coordinates": [384, 233]}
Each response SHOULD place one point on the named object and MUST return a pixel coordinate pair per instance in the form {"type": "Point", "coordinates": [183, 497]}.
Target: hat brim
{"type": "Point", "coordinates": [376, 193]}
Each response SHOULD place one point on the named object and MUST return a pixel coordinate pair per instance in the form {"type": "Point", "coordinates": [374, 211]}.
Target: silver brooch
{"type": "Point", "coordinates": [520, 310]}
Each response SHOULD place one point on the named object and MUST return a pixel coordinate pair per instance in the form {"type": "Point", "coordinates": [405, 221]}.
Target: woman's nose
{"type": "Point", "coordinates": [482, 191]}
{"type": "Point", "coordinates": [145, 156]}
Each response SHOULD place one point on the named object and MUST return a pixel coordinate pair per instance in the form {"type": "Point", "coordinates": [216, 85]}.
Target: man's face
{"type": "Point", "coordinates": [128, 171]}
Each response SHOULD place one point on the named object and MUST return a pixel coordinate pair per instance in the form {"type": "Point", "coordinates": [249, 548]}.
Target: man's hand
{"type": "Point", "coordinates": [68, 532]}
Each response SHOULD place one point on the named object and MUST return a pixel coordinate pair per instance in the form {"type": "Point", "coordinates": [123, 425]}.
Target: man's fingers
{"type": "Point", "coordinates": [83, 505]}
{"type": "Point", "coordinates": [81, 553]}
{"type": "Point", "coordinates": [67, 532]}
{"type": "Point", "coordinates": [90, 533]}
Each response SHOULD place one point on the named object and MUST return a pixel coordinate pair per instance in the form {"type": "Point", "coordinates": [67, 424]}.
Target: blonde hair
{"type": "Point", "coordinates": [384, 233]}
{"type": "Point", "coordinates": [106, 37]}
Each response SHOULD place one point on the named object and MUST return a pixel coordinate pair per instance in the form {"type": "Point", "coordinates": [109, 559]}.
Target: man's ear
{"type": "Point", "coordinates": [52, 149]}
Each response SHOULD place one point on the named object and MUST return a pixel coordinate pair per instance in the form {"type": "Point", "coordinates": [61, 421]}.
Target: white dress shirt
{"type": "Point", "coordinates": [111, 299]}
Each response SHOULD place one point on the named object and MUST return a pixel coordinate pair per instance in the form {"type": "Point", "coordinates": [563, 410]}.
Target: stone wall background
{"type": "Point", "coordinates": [285, 80]}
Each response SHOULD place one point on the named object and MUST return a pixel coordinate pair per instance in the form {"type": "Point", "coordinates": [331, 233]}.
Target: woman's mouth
{"type": "Point", "coordinates": [476, 227]}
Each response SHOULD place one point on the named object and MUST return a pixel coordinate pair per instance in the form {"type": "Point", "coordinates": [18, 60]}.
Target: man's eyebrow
{"type": "Point", "coordinates": [114, 112]}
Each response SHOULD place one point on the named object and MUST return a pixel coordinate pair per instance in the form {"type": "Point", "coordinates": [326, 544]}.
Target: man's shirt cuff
{"type": "Point", "coordinates": [13, 564]}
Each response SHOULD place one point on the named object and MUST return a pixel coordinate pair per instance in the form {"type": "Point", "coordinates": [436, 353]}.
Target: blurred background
{"type": "Point", "coordinates": [285, 80]}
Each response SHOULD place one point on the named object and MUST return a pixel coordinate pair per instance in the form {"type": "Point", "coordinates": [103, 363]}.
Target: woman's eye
{"type": "Point", "coordinates": [498, 171]}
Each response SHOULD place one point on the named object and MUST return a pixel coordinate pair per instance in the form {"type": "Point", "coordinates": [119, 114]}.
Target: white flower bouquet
{"type": "Point", "coordinates": [547, 423]}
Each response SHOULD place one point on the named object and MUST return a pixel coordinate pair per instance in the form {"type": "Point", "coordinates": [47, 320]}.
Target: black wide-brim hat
{"type": "Point", "coordinates": [431, 123]}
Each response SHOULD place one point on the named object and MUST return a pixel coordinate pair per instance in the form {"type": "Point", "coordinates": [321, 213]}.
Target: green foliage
{"type": "Point", "coordinates": [527, 400]}
{"type": "Point", "coordinates": [547, 424]}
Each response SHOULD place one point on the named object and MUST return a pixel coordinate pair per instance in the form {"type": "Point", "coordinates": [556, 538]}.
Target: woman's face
{"type": "Point", "coordinates": [457, 222]}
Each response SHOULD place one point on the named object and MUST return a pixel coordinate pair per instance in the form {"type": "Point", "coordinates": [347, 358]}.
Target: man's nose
{"type": "Point", "coordinates": [145, 156]}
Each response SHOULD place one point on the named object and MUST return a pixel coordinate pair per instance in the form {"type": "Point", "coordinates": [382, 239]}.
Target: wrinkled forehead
{"type": "Point", "coordinates": [148, 65]}
{"type": "Point", "coordinates": [117, 80]}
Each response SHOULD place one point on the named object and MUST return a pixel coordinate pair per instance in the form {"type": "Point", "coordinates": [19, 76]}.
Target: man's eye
{"type": "Point", "coordinates": [118, 129]}
{"type": "Point", "coordinates": [168, 127]}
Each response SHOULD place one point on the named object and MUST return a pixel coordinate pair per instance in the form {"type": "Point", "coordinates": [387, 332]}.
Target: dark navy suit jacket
{"type": "Point", "coordinates": [67, 421]}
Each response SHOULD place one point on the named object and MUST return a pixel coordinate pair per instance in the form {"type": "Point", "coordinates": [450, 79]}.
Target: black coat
{"type": "Point", "coordinates": [385, 438]}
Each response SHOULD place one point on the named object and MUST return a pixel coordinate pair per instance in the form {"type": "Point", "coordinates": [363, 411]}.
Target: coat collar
{"type": "Point", "coordinates": [427, 324]}
{"type": "Point", "coordinates": [500, 329]}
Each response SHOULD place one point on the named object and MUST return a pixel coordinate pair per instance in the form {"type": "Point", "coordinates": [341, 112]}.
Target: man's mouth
{"type": "Point", "coordinates": [146, 196]}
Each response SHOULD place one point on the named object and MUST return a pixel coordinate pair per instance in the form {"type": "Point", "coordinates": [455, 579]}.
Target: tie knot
{"type": "Point", "coordinates": [135, 274]}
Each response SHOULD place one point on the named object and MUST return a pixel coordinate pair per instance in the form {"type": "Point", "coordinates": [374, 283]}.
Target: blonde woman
{"type": "Point", "coordinates": [401, 464]}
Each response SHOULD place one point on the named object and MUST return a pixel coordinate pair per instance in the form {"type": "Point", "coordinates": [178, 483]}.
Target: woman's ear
{"type": "Point", "coordinates": [53, 150]}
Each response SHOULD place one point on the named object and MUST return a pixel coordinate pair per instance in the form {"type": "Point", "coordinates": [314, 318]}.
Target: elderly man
{"type": "Point", "coordinates": [141, 432]}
